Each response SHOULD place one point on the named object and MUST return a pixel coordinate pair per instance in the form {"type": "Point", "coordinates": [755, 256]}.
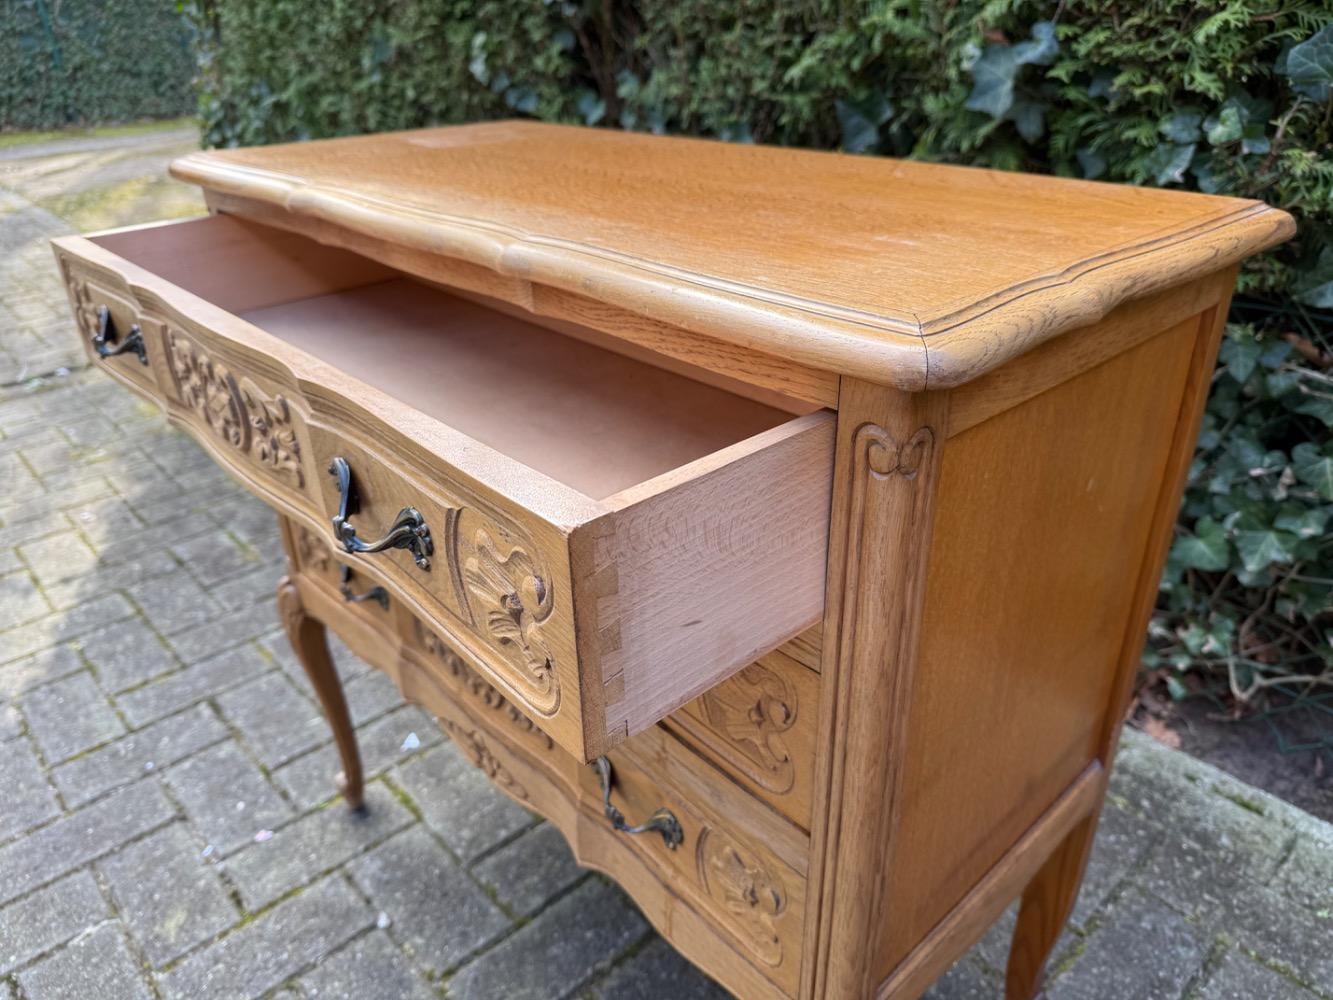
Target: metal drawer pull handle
{"type": "Point", "coordinates": [408, 531]}
{"type": "Point", "coordinates": [663, 821]}
{"type": "Point", "coordinates": [377, 594]}
{"type": "Point", "coordinates": [106, 336]}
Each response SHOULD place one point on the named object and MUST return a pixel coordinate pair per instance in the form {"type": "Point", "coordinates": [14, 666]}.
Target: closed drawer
{"type": "Point", "coordinates": [110, 323]}
{"type": "Point", "coordinates": [759, 727]}
{"type": "Point", "coordinates": [601, 539]}
{"type": "Point", "coordinates": [736, 863]}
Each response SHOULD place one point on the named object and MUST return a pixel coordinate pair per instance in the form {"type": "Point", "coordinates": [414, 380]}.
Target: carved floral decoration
{"type": "Point", "coordinates": [239, 413]}
{"type": "Point", "coordinates": [515, 599]}
{"type": "Point", "coordinates": [751, 711]}
{"type": "Point", "coordinates": [752, 898]}
{"type": "Point", "coordinates": [477, 687]}
{"type": "Point", "coordinates": [475, 749]}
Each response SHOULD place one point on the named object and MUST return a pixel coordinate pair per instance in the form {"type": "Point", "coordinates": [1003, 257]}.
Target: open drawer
{"type": "Point", "coordinates": [603, 539]}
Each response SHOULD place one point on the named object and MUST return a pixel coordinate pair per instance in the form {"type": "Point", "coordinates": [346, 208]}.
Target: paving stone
{"type": "Point", "coordinates": [347, 663]}
{"type": "Point", "coordinates": [174, 602]}
{"type": "Point", "coordinates": [371, 695]}
{"type": "Point", "coordinates": [216, 556]}
{"type": "Point", "coordinates": [1120, 845]}
{"type": "Point", "coordinates": [47, 918]}
{"type": "Point", "coordinates": [965, 980]}
{"type": "Point", "coordinates": [556, 954]}
{"type": "Point", "coordinates": [112, 573]}
{"type": "Point", "coordinates": [259, 956]}
{"type": "Point", "coordinates": [80, 837]}
{"type": "Point", "coordinates": [1199, 880]}
{"type": "Point", "coordinates": [20, 600]}
{"type": "Point", "coordinates": [225, 632]}
{"type": "Point", "coordinates": [130, 757]}
{"type": "Point", "coordinates": [98, 964]}
{"type": "Point", "coordinates": [459, 803]}
{"type": "Point", "coordinates": [658, 970]}
{"type": "Point", "coordinates": [371, 966]}
{"type": "Point", "coordinates": [103, 520]}
{"type": "Point", "coordinates": [277, 721]}
{"type": "Point", "coordinates": [309, 779]}
{"type": "Point", "coordinates": [1307, 874]}
{"type": "Point", "coordinates": [202, 680]}
{"type": "Point", "coordinates": [11, 723]}
{"type": "Point", "coordinates": [64, 625]}
{"type": "Point", "coordinates": [531, 871]}
{"type": "Point", "coordinates": [127, 654]}
{"type": "Point", "coordinates": [69, 716]}
{"type": "Point", "coordinates": [58, 557]}
{"type": "Point", "coordinates": [37, 668]}
{"type": "Point", "coordinates": [1265, 923]}
{"type": "Point", "coordinates": [254, 587]}
{"type": "Point", "coordinates": [28, 799]}
{"type": "Point", "coordinates": [435, 910]}
{"type": "Point", "coordinates": [315, 843]}
{"type": "Point", "coordinates": [1239, 977]}
{"type": "Point", "coordinates": [226, 797]}
{"type": "Point", "coordinates": [169, 896]}
{"type": "Point", "coordinates": [1145, 949]}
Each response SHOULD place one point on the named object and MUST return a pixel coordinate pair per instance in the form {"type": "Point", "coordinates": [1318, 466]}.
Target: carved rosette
{"type": "Point", "coordinates": [258, 425]}
{"type": "Point", "coordinates": [751, 711]}
{"type": "Point", "coordinates": [477, 687]}
{"type": "Point", "coordinates": [474, 747]}
{"type": "Point", "coordinates": [750, 896]}
{"type": "Point", "coordinates": [514, 599]}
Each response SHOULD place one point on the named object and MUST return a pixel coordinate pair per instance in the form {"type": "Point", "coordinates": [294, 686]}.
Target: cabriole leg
{"type": "Point", "coordinates": [307, 637]}
{"type": "Point", "coordinates": [1047, 902]}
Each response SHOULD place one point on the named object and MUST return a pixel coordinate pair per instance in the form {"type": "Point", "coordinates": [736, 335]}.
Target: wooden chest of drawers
{"type": "Point", "coordinates": [782, 526]}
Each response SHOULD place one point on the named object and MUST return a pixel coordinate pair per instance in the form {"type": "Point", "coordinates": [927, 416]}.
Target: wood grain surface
{"type": "Point", "coordinates": [910, 274]}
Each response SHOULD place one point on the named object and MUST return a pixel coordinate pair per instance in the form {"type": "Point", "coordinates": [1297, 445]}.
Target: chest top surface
{"type": "Point", "coordinates": [911, 274]}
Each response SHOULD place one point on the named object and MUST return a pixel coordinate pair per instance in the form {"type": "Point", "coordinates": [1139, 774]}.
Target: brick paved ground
{"type": "Point", "coordinates": [152, 722]}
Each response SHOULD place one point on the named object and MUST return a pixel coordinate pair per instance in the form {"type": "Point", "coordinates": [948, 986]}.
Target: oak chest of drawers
{"type": "Point", "coordinates": [782, 526]}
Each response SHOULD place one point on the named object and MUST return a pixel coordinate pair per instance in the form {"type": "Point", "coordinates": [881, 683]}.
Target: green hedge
{"type": "Point", "coordinates": [88, 62]}
{"type": "Point", "coordinates": [1230, 97]}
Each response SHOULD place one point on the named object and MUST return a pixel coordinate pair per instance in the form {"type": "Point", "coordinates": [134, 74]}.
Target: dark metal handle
{"type": "Point", "coordinates": [377, 594]}
{"type": "Point", "coordinates": [106, 336]}
{"type": "Point", "coordinates": [408, 531]}
{"type": "Point", "coordinates": [663, 820]}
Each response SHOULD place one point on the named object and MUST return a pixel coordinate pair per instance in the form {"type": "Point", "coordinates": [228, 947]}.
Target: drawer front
{"type": "Point", "coordinates": [497, 587]}
{"type": "Point", "coordinates": [596, 617]}
{"type": "Point", "coordinates": [759, 727]}
{"type": "Point", "coordinates": [91, 290]}
{"type": "Point", "coordinates": [738, 865]}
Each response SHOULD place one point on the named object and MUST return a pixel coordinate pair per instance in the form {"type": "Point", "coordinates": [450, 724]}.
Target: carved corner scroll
{"type": "Point", "coordinates": [515, 599]}
{"type": "Point", "coordinates": [238, 412]}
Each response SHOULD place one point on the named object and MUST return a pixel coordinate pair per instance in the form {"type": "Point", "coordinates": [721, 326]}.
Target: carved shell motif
{"type": "Point", "coordinates": [237, 412]}
{"type": "Point", "coordinates": [751, 897]}
{"type": "Point", "coordinates": [752, 710]}
{"type": "Point", "coordinates": [514, 600]}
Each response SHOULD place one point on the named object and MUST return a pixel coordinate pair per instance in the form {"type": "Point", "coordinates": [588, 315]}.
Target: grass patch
{"type": "Point", "coordinates": [10, 139]}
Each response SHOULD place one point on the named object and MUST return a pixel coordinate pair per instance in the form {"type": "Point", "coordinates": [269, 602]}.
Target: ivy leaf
{"type": "Point", "coordinates": [1319, 407]}
{"type": "Point", "coordinates": [1303, 522]}
{"type": "Point", "coordinates": [860, 121]}
{"type": "Point", "coordinates": [736, 132]}
{"type": "Point", "coordinates": [1313, 468]}
{"type": "Point", "coordinates": [1184, 126]}
{"type": "Point", "coordinates": [1169, 161]}
{"type": "Point", "coordinates": [1206, 549]}
{"type": "Point", "coordinates": [1029, 117]}
{"type": "Point", "coordinates": [1240, 353]}
{"type": "Point", "coordinates": [994, 72]}
{"type": "Point", "coordinates": [1260, 549]}
{"type": "Point", "coordinates": [1309, 66]}
{"type": "Point", "coordinates": [591, 107]}
{"type": "Point", "coordinates": [1316, 286]}
{"type": "Point", "coordinates": [1225, 126]}
{"type": "Point", "coordinates": [1091, 162]}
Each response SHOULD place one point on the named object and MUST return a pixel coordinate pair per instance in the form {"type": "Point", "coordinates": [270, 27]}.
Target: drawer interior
{"type": "Point", "coordinates": [594, 419]}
